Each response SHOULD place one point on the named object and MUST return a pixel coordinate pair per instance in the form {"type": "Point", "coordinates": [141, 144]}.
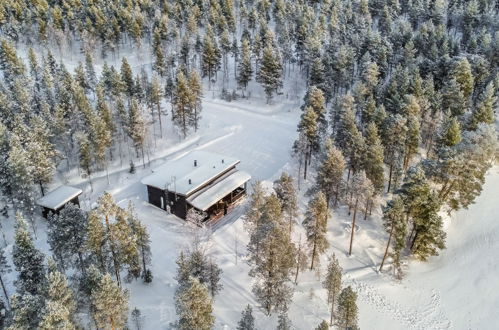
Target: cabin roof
{"type": "Point", "coordinates": [174, 175]}
{"type": "Point", "coordinates": [219, 190]}
{"type": "Point", "coordinates": [58, 197]}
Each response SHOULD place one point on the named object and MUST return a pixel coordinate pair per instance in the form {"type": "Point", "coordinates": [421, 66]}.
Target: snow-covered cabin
{"type": "Point", "coordinates": [55, 200]}
{"type": "Point", "coordinates": [205, 181]}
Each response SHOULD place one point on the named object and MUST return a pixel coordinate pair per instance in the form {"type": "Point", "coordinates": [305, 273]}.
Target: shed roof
{"type": "Point", "coordinates": [174, 175]}
{"type": "Point", "coordinates": [58, 197]}
{"type": "Point", "coordinates": [219, 190]}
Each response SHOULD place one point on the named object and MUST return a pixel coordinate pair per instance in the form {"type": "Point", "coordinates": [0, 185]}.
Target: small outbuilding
{"type": "Point", "coordinates": [208, 182]}
{"type": "Point", "coordinates": [55, 200]}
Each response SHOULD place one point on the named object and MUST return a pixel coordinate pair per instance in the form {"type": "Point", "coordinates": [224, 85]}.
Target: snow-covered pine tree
{"type": "Point", "coordinates": [109, 304]}
{"type": "Point", "coordinates": [181, 103]}
{"type": "Point", "coordinates": [308, 138]}
{"type": "Point", "coordinates": [272, 256]}
{"type": "Point", "coordinates": [211, 56]}
{"type": "Point", "coordinates": [136, 128]}
{"type": "Point", "coordinates": [322, 326]}
{"type": "Point", "coordinates": [347, 313]}
{"type": "Point", "coordinates": [332, 283]}
{"type": "Point", "coordinates": [28, 261]}
{"type": "Point", "coordinates": [247, 321]}
{"type": "Point", "coordinates": [196, 92]}
{"type": "Point", "coordinates": [4, 269]}
{"type": "Point", "coordinates": [394, 221]}
{"type": "Point", "coordinates": [67, 236]}
{"type": "Point", "coordinates": [60, 306]}
{"type": "Point", "coordinates": [286, 192]}
{"type": "Point", "coordinates": [329, 177]}
{"type": "Point", "coordinates": [315, 224]}
{"type": "Point", "coordinates": [373, 158]}
{"type": "Point", "coordinates": [244, 69]}
{"type": "Point", "coordinates": [283, 321]}
{"type": "Point", "coordinates": [269, 73]}
{"type": "Point", "coordinates": [143, 242]}
{"type": "Point", "coordinates": [193, 306]}
{"type": "Point", "coordinates": [360, 191]}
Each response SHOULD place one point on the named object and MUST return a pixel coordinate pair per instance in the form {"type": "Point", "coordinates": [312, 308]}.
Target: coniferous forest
{"type": "Point", "coordinates": [395, 125]}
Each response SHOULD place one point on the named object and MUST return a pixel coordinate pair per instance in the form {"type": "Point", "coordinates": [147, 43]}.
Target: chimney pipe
{"type": "Point", "coordinates": [195, 163]}
{"type": "Point", "coordinates": [222, 161]}
{"type": "Point", "coordinates": [190, 182]}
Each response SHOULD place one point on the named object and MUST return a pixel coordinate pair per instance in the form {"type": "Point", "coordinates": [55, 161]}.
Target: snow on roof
{"type": "Point", "coordinates": [58, 197]}
{"type": "Point", "coordinates": [181, 176]}
{"type": "Point", "coordinates": [219, 190]}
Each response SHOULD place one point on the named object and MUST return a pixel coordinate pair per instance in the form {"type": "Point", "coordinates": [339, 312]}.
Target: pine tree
{"type": "Point", "coordinates": [484, 110]}
{"type": "Point", "coordinates": [272, 256]}
{"type": "Point", "coordinates": [4, 269]}
{"type": "Point", "coordinates": [332, 283]}
{"type": "Point", "coordinates": [28, 261]}
{"type": "Point", "coordinates": [373, 158]}
{"type": "Point", "coordinates": [210, 57]}
{"type": "Point", "coordinates": [143, 242]}
{"type": "Point", "coordinates": [286, 192]}
{"type": "Point", "coordinates": [464, 77]}
{"type": "Point", "coordinates": [196, 92]}
{"type": "Point", "coordinates": [314, 98]}
{"type": "Point", "coordinates": [315, 224]}
{"type": "Point", "coordinates": [67, 236]}
{"type": "Point", "coordinates": [360, 192]}
{"type": "Point", "coordinates": [127, 78]}
{"type": "Point", "coordinates": [347, 314]}
{"type": "Point", "coordinates": [181, 103]}
{"type": "Point", "coordinates": [60, 306]}
{"type": "Point", "coordinates": [309, 137]}
{"type": "Point", "coordinates": [137, 128]}
{"type": "Point", "coordinates": [394, 221]}
{"type": "Point", "coordinates": [269, 73]}
{"type": "Point", "coordinates": [247, 321]}
{"type": "Point", "coordinates": [109, 304]}
{"type": "Point", "coordinates": [244, 69]}
{"type": "Point", "coordinates": [193, 306]}
{"type": "Point", "coordinates": [323, 326]}
{"type": "Point", "coordinates": [155, 96]}
{"type": "Point", "coordinates": [329, 178]}
{"type": "Point", "coordinates": [283, 321]}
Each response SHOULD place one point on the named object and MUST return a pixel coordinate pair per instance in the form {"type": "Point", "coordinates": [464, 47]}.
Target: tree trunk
{"type": "Point", "coordinates": [332, 311]}
{"type": "Point", "coordinates": [390, 178]}
{"type": "Point", "coordinates": [313, 255]}
{"type": "Point", "coordinates": [387, 247]}
{"type": "Point", "coordinates": [5, 292]}
{"type": "Point", "coordinates": [353, 225]}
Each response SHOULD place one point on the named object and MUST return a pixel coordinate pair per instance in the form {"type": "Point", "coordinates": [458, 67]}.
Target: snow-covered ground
{"type": "Point", "coordinates": [452, 291]}
{"type": "Point", "coordinates": [456, 290]}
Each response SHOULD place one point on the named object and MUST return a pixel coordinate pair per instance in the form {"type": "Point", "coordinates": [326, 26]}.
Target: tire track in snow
{"type": "Point", "coordinates": [431, 317]}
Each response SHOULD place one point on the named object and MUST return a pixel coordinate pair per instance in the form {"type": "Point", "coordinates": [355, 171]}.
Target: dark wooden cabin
{"type": "Point", "coordinates": [205, 181]}
{"type": "Point", "coordinates": [54, 201]}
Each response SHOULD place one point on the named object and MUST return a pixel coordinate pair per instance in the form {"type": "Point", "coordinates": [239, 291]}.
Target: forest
{"type": "Point", "coordinates": [397, 119]}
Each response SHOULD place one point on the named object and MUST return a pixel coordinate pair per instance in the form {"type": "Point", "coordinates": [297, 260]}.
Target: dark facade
{"type": "Point", "coordinates": [177, 204]}
{"type": "Point", "coordinates": [46, 211]}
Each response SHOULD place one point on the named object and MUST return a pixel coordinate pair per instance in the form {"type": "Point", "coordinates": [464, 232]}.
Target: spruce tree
{"type": "Point", "coordinates": [28, 261]}
{"type": "Point", "coordinates": [67, 236]}
{"type": "Point", "coordinates": [244, 68]}
{"type": "Point", "coordinates": [4, 269]}
{"type": "Point", "coordinates": [484, 110]}
{"type": "Point", "coordinates": [283, 321]}
{"type": "Point", "coordinates": [269, 73]}
{"type": "Point", "coordinates": [347, 313]}
{"type": "Point", "coordinates": [247, 321]}
{"type": "Point", "coordinates": [315, 224]}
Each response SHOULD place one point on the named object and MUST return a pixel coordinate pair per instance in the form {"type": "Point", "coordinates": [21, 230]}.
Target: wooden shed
{"type": "Point", "coordinates": [205, 181]}
{"type": "Point", "coordinates": [55, 200]}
